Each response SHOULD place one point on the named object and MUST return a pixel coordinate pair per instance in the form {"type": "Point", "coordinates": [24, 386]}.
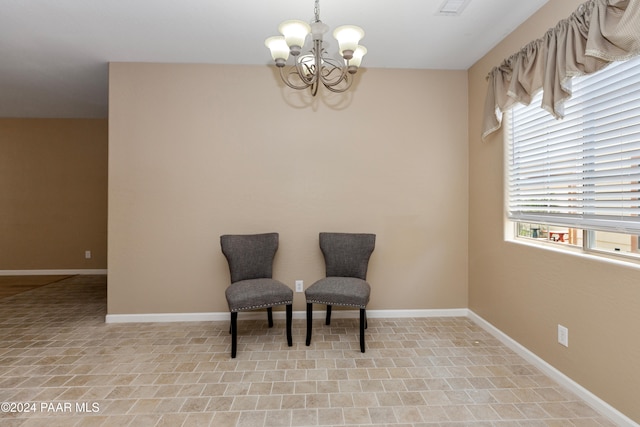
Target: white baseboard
{"type": "Point", "coordinates": [591, 399]}
{"type": "Point", "coordinates": [166, 317]}
{"type": "Point", "coordinates": [279, 314]}
{"type": "Point", "coordinates": [394, 314]}
{"type": "Point", "coordinates": [50, 272]}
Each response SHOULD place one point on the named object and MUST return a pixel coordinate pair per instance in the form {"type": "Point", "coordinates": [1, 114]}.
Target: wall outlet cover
{"type": "Point", "coordinates": [563, 335]}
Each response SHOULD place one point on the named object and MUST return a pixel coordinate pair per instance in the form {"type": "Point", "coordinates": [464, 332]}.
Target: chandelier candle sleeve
{"type": "Point", "coordinates": [316, 66]}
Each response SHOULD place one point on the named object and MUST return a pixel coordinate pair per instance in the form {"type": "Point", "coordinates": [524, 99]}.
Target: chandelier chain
{"type": "Point", "coordinates": [316, 10]}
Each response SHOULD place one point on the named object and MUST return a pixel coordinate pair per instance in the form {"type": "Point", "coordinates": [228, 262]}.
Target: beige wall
{"type": "Point", "coordinates": [53, 194]}
{"type": "Point", "coordinates": [196, 151]}
{"type": "Point", "coordinates": [526, 291]}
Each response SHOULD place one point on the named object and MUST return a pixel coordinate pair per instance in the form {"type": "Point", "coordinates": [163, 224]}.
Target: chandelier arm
{"type": "Point", "coordinates": [330, 82]}
{"type": "Point", "coordinates": [303, 69]}
{"type": "Point", "coordinates": [342, 89]}
{"type": "Point", "coordinates": [332, 61]}
{"type": "Point", "coordinates": [286, 80]}
{"type": "Point", "coordinates": [330, 66]}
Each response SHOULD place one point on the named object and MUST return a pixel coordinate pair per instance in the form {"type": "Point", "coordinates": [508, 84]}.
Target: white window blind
{"type": "Point", "coordinates": [582, 171]}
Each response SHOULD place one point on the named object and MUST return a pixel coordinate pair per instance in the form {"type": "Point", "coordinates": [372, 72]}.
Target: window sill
{"type": "Point", "coordinates": [594, 255]}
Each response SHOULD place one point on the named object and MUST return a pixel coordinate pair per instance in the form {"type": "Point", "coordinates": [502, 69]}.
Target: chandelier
{"type": "Point", "coordinates": [315, 67]}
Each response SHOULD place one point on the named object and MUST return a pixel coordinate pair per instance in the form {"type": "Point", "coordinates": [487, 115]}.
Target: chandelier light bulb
{"type": "Point", "coordinates": [295, 32]}
{"type": "Point", "coordinates": [348, 37]}
{"type": "Point", "coordinates": [279, 49]}
{"type": "Point", "coordinates": [357, 57]}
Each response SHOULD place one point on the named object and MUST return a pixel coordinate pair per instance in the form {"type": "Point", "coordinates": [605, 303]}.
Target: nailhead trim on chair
{"type": "Point", "coordinates": [335, 303]}
{"type": "Point", "coordinates": [254, 307]}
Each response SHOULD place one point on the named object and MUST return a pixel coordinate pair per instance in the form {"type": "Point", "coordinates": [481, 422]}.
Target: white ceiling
{"type": "Point", "coordinates": [54, 53]}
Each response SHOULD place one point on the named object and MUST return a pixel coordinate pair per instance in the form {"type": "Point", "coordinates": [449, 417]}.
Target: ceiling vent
{"type": "Point", "coordinates": [452, 7]}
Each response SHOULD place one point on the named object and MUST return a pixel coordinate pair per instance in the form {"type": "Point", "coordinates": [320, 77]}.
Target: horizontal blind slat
{"type": "Point", "coordinates": [583, 170]}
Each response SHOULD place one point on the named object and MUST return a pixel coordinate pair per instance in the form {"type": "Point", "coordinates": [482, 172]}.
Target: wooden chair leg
{"type": "Point", "coordinates": [309, 321]}
{"type": "Point", "coordinates": [270, 316]}
{"type": "Point", "coordinates": [289, 321]}
{"type": "Point", "coordinates": [363, 320]}
{"type": "Point", "coordinates": [328, 322]}
{"type": "Point", "coordinates": [234, 333]}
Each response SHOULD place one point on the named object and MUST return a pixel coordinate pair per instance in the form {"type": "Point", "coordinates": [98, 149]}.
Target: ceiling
{"type": "Point", "coordinates": [54, 53]}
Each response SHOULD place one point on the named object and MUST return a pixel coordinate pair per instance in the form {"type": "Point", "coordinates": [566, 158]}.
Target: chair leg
{"type": "Point", "coordinates": [289, 321]}
{"type": "Point", "coordinates": [328, 322]}
{"type": "Point", "coordinates": [270, 316]}
{"type": "Point", "coordinates": [309, 321]}
{"type": "Point", "coordinates": [234, 333]}
{"type": "Point", "coordinates": [363, 320]}
{"type": "Point", "coordinates": [366, 321]}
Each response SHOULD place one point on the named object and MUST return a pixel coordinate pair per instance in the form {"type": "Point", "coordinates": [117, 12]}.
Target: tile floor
{"type": "Point", "coordinates": [63, 364]}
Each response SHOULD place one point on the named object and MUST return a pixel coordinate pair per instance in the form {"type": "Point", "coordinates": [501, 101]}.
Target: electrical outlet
{"type": "Point", "coordinates": [87, 254]}
{"type": "Point", "coordinates": [563, 335]}
{"type": "Point", "coordinates": [299, 285]}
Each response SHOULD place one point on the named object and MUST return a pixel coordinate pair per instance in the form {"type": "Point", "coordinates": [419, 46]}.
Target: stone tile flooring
{"type": "Point", "coordinates": [61, 365]}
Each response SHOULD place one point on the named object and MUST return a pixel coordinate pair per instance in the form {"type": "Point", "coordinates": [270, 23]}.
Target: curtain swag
{"type": "Point", "coordinates": [596, 34]}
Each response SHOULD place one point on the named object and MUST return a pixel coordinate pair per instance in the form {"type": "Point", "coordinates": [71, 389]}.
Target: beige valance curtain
{"type": "Point", "coordinates": [597, 33]}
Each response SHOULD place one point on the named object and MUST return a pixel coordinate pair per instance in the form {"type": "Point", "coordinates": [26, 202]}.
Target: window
{"type": "Point", "coordinates": [576, 181]}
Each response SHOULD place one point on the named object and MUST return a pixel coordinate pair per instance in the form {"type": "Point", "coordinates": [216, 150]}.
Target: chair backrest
{"type": "Point", "coordinates": [250, 256]}
{"type": "Point", "coordinates": [347, 254]}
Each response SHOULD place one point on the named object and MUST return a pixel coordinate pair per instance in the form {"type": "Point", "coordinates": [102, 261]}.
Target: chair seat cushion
{"type": "Point", "coordinates": [257, 293]}
{"type": "Point", "coordinates": [349, 291]}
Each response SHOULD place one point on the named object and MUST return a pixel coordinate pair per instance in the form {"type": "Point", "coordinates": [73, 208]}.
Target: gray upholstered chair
{"type": "Point", "coordinates": [250, 259]}
{"type": "Point", "coordinates": [346, 257]}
